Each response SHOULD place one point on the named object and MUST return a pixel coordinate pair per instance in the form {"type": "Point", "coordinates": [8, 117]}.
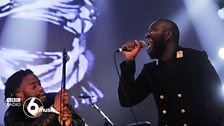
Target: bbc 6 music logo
{"type": "Point", "coordinates": [33, 107]}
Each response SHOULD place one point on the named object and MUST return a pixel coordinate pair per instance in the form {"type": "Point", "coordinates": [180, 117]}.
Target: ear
{"type": "Point", "coordinates": [20, 95]}
{"type": "Point", "coordinates": [168, 35]}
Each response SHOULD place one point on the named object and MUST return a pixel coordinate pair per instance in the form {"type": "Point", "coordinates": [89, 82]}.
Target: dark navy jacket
{"type": "Point", "coordinates": [186, 89]}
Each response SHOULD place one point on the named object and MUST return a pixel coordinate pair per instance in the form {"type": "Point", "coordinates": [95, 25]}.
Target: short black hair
{"type": "Point", "coordinates": [14, 81]}
{"type": "Point", "coordinates": [172, 26]}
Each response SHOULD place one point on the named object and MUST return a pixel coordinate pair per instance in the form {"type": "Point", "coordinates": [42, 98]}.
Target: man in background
{"type": "Point", "coordinates": [24, 84]}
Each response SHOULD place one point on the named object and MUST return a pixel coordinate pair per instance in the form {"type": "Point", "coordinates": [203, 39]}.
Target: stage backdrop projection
{"type": "Point", "coordinates": [34, 34]}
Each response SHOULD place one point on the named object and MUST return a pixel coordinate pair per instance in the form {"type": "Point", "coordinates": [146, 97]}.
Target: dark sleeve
{"type": "Point", "coordinates": [46, 119]}
{"type": "Point", "coordinates": [77, 120]}
{"type": "Point", "coordinates": [132, 91]}
{"type": "Point", "coordinates": [210, 80]}
{"type": "Point", "coordinates": [212, 91]}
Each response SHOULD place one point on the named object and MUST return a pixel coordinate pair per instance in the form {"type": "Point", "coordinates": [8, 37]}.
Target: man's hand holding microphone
{"type": "Point", "coordinates": [131, 48]}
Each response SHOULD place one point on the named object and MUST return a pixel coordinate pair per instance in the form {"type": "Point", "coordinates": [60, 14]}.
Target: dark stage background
{"type": "Point", "coordinates": [116, 22]}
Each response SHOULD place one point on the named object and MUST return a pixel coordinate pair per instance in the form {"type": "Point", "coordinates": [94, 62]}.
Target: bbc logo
{"type": "Point", "coordinates": [13, 100]}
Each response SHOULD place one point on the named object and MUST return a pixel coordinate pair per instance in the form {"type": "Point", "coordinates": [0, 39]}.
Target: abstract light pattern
{"type": "Point", "coordinates": [74, 16]}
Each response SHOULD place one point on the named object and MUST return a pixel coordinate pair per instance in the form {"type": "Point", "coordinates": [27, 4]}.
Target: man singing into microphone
{"type": "Point", "coordinates": [184, 84]}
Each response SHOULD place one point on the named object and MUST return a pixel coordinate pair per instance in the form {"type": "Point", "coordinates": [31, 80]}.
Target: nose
{"type": "Point", "coordinates": [40, 88]}
{"type": "Point", "coordinates": [148, 39]}
{"type": "Point", "coordinates": [148, 36]}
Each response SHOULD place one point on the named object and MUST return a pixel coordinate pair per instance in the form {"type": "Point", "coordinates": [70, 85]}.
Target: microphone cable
{"type": "Point", "coordinates": [123, 91]}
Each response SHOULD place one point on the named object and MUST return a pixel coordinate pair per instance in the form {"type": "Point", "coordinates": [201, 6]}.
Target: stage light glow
{"type": "Point", "coordinates": [221, 53]}
{"type": "Point", "coordinates": [202, 14]}
{"type": "Point", "coordinates": [222, 91]}
{"type": "Point", "coordinates": [221, 13]}
{"type": "Point", "coordinates": [220, 4]}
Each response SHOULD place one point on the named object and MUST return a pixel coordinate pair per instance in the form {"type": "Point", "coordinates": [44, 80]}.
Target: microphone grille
{"type": "Point", "coordinates": [143, 43]}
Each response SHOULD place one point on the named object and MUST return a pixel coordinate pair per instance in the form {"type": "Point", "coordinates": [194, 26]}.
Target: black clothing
{"type": "Point", "coordinates": [14, 116]}
{"type": "Point", "coordinates": [186, 88]}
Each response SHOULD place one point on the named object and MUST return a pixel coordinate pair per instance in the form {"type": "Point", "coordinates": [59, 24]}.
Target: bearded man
{"type": "Point", "coordinates": [184, 84]}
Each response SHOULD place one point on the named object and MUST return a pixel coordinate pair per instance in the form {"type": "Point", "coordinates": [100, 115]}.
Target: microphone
{"type": "Point", "coordinates": [142, 44]}
{"type": "Point", "coordinates": [67, 58]}
{"type": "Point", "coordinates": [85, 96]}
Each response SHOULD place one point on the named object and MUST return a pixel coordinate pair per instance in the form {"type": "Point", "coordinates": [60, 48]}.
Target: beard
{"type": "Point", "coordinates": [45, 102]}
{"type": "Point", "coordinates": [158, 48]}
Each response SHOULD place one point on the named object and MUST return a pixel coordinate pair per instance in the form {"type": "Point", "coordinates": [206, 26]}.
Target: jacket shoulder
{"type": "Point", "coordinates": [193, 52]}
